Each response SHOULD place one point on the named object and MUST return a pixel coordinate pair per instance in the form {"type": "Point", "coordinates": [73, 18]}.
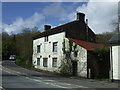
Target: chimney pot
{"type": "Point", "coordinates": [80, 16]}
{"type": "Point", "coordinates": [46, 27]}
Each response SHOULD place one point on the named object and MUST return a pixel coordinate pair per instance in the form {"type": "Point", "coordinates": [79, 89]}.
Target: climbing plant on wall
{"type": "Point", "coordinates": [66, 63]}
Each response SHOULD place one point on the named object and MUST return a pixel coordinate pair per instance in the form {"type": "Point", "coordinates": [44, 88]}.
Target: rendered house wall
{"type": "Point", "coordinates": [81, 59]}
{"type": "Point", "coordinates": [116, 62]}
{"type": "Point", "coordinates": [47, 51]}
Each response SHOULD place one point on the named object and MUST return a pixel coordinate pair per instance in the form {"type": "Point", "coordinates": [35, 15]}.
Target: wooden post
{"type": "Point", "coordinates": [89, 73]}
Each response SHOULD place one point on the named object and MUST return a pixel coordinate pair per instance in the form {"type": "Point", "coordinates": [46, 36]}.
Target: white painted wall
{"type": "Point", "coordinates": [81, 59]}
{"type": "Point", "coordinates": [82, 62]}
{"type": "Point", "coordinates": [46, 50]}
{"type": "Point", "coordinates": [116, 62]}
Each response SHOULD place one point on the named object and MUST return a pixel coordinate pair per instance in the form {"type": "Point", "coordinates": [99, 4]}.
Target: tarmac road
{"type": "Point", "coordinates": [15, 77]}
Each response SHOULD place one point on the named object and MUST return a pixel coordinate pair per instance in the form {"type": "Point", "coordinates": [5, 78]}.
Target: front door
{"type": "Point", "coordinates": [74, 68]}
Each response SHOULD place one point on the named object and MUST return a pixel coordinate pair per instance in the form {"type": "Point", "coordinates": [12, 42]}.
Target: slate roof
{"type": "Point", "coordinates": [115, 39]}
{"type": "Point", "coordinates": [55, 30]}
{"type": "Point", "coordinates": [87, 45]}
{"type": "Point", "coordinates": [76, 24]}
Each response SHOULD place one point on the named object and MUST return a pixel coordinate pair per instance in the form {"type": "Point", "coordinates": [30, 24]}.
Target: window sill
{"type": "Point", "coordinates": [45, 66]}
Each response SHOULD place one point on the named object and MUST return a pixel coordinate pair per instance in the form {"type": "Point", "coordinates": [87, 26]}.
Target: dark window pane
{"type": "Point", "coordinates": [45, 62]}
{"type": "Point", "coordinates": [38, 61]}
{"type": "Point", "coordinates": [38, 48]}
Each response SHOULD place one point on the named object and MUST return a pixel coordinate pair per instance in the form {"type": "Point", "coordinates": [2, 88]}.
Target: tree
{"type": "Point", "coordinates": [104, 37]}
{"type": "Point", "coordinates": [6, 49]}
{"type": "Point", "coordinates": [35, 29]}
{"type": "Point", "coordinates": [19, 44]}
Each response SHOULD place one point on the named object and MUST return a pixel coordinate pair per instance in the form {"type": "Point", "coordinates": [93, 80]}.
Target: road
{"type": "Point", "coordinates": [14, 77]}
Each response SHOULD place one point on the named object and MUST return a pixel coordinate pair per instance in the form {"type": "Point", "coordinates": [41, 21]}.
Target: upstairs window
{"type": "Point", "coordinates": [38, 48]}
{"type": "Point", "coordinates": [75, 53]}
{"type": "Point", "coordinates": [46, 39]}
{"type": "Point", "coordinates": [55, 47]}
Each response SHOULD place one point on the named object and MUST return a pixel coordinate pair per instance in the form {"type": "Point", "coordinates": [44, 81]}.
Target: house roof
{"type": "Point", "coordinates": [55, 30]}
{"type": "Point", "coordinates": [87, 45]}
{"type": "Point", "coordinates": [76, 24]}
{"type": "Point", "coordinates": [115, 39]}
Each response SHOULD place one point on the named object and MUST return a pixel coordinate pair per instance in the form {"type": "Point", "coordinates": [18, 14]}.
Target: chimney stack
{"type": "Point", "coordinates": [80, 16]}
{"type": "Point", "coordinates": [46, 27]}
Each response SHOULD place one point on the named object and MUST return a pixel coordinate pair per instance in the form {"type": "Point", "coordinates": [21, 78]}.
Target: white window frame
{"type": "Point", "coordinates": [45, 64]}
{"type": "Point", "coordinates": [55, 46]}
{"type": "Point", "coordinates": [46, 39]}
{"type": "Point", "coordinates": [54, 62]}
{"type": "Point", "coordinates": [38, 60]}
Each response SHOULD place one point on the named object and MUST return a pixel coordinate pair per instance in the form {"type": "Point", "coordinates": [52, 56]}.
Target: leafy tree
{"type": "Point", "coordinates": [102, 55]}
{"type": "Point", "coordinates": [6, 49]}
{"type": "Point", "coordinates": [104, 37]}
{"type": "Point", "coordinates": [19, 44]}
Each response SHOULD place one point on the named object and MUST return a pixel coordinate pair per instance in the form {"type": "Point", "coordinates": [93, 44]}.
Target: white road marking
{"type": "Point", "coordinates": [45, 81]}
{"type": "Point", "coordinates": [49, 80]}
{"type": "Point", "coordinates": [6, 70]}
{"type": "Point", "coordinates": [12, 71]}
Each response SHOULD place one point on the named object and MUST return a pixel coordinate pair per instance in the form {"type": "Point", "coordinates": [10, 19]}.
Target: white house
{"type": "Point", "coordinates": [115, 57]}
{"type": "Point", "coordinates": [74, 39]}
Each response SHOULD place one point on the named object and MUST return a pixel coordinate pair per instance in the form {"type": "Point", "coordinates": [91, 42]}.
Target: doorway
{"type": "Point", "coordinates": [74, 68]}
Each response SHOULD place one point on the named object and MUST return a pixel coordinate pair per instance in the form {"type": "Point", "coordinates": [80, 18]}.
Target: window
{"type": "Point", "coordinates": [67, 54]}
{"type": "Point", "coordinates": [54, 62]}
{"type": "Point", "coordinates": [38, 61]}
{"type": "Point", "coordinates": [38, 48]}
{"type": "Point", "coordinates": [55, 47]}
{"type": "Point", "coordinates": [45, 62]}
{"type": "Point", "coordinates": [46, 39]}
{"type": "Point", "coordinates": [75, 53]}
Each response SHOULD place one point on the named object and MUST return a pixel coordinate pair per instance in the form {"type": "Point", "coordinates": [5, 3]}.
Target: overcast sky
{"type": "Point", "coordinates": [19, 15]}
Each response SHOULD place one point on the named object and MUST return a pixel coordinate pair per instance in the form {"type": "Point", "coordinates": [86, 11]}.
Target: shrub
{"type": "Point", "coordinates": [65, 68]}
{"type": "Point", "coordinates": [23, 64]}
{"type": "Point", "coordinates": [102, 53]}
{"type": "Point", "coordinates": [103, 60]}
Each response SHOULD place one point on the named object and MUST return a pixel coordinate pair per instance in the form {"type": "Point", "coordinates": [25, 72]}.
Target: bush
{"type": "Point", "coordinates": [102, 53]}
{"type": "Point", "coordinates": [23, 64]}
{"type": "Point", "coordinates": [103, 60]}
{"type": "Point", "coordinates": [65, 68]}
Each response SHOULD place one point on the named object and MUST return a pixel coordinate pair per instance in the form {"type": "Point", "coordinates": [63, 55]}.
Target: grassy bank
{"type": "Point", "coordinates": [23, 64]}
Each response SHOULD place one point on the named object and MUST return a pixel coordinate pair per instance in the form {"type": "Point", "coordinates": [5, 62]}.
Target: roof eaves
{"type": "Point", "coordinates": [87, 45]}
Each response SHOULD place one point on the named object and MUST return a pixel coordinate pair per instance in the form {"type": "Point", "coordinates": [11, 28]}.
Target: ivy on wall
{"type": "Point", "coordinates": [66, 63]}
